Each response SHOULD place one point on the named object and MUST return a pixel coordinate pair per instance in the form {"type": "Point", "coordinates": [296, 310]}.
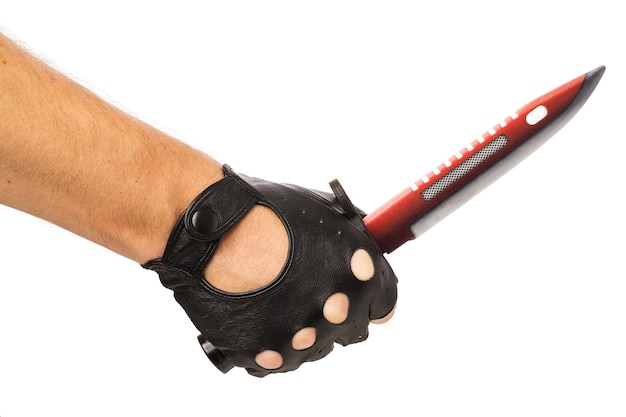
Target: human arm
{"type": "Point", "coordinates": [71, 158]}
{"type": "Point", "coordinates": [62, 149]}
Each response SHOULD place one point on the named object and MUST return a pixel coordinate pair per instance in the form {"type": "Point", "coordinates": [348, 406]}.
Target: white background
{"type": "Point", "coordinates": [512, 306]}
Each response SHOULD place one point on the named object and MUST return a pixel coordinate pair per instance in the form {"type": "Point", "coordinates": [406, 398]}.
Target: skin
{"type": "Point", "coordinates": [62, 148]}
{"type": "Point", "coordinates": [72, 147]}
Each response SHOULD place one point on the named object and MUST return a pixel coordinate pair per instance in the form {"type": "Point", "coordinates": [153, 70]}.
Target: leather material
{"type": "Point", "coordinates": [322, 240]}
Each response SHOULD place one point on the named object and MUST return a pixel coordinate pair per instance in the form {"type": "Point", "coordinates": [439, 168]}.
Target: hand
{"type": "Point", "coordinates": [273, 275]}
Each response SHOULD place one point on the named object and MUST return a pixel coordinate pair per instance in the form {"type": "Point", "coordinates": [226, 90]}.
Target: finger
{"type": "Point", "coordinates": [385, 319]}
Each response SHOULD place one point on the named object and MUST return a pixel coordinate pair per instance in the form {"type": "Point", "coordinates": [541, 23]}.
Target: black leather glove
{"type": "Point", "coordinates": [325, 231]}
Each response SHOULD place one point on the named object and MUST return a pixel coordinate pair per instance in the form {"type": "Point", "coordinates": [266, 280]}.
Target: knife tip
{"type": "Point", "coordinates": [595, 74]}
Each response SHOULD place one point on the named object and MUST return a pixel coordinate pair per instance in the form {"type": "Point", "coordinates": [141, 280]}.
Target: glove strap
{"type": "Point", "coordinates": [211, 214]}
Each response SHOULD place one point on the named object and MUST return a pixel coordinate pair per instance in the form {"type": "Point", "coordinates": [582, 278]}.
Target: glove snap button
{"type": "Point", "coordinates": [204, 220]}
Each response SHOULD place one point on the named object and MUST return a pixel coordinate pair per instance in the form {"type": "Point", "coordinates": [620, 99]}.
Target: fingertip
{"type": "Point", "coordinates": [386, 318]}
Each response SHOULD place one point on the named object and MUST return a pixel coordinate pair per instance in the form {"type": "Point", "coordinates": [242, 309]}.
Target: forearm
{"type": "Point", "coordinates": [69, 157]}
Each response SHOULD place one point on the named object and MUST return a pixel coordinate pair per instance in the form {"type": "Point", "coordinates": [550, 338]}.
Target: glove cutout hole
{"type": "Point", "coordinates": [269, 359]}
{"type": "Point", "coordinates": [304, 338]}
{"type": "Point", "coordinates": [336, 308]}
{"type": "Point", "coordinates": [251, 255]}
{"type": "Point", "coordinates": [362, 265]}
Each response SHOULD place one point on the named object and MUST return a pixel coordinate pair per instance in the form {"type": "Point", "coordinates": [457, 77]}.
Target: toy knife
{"type": "Point", "coordinates": [433, 197]}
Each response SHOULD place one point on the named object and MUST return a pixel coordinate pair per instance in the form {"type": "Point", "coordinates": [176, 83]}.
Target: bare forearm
{"type": "Point", "coordinates": [69, 157]}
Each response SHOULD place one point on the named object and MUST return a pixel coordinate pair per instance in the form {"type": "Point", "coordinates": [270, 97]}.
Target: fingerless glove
{"type": "Point", "coordinates": [325, 233]}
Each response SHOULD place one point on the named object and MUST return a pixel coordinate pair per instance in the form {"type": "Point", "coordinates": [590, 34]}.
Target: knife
{"type": "Point", "coordinates": [451, 184]}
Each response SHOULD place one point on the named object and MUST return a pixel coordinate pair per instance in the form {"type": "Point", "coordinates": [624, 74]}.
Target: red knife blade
{"type": "Point", "coordinates": [433, 197]}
